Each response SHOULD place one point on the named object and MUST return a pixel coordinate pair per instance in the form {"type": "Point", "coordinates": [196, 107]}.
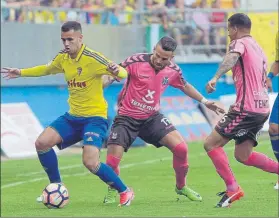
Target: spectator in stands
{"type": "Point", "coordinates": [98, 5]}
{"type": "Point", "coordinates": [89, 5]}
{"type": "Point", "coordinates": [74, 15]}
{"type": "Point", "coordinates": [183, 28]}
{"type": "Point", "coordinates": [60, 16]}
{"type": "Point", "coordinates": [109, 16]}
{"type": "Point", "coordinates": [183, 4]}
{"type": "Point", "coordinates": [67, 3]}
{"type": "Point", "coordinates": [5, 13]}
{"type": "Point", "coordinates": [158, 12]}
{"type": "Point", "coordinates": [236, 4]}
{"type": "Point", "coordinates": [202, 22]}
{"type": "Point", "coordinates": [229, 4]}
{"type": "Point", "coordinates": [12, 14]}
{"type": "Point", "coordinates": [224, 4]}
{"type": "Point", "coordinates": [133, 4]}
{"type": "Point", "coordinates": [217, 32]}
{"type": "Point", "coordinates": [173, 17]}
{"type": "Point", "coordinates": [171, 3]}
{"type": "Point", "coordinates": [122, 12]}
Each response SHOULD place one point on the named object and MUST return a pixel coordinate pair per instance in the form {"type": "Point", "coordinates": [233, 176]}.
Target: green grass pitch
{"type": "Point", "coordinates": [149, 171]}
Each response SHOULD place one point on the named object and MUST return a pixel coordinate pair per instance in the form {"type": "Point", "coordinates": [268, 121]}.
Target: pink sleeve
{"type": "Point", "coordinates": [178, 82]}
{"type": "Point", "coordinates": [128, 64]}
{"type": "Point", "coordinates": [237, 46]}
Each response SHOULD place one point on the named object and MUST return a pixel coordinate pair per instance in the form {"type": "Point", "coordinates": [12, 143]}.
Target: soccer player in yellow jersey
{"type": "Point", "coordinates": [86, 120]}
{"type": "Point", "coordinates": [274, 117]}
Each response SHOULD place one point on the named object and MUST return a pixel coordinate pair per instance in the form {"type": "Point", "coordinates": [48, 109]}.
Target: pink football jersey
{"type": "Point", "coordinates": [249, 75]}
{"type": "Point", "coordinates": [140, 96]}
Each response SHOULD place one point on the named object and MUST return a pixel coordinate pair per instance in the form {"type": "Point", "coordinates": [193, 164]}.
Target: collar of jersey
{"type": "Point", "coordinates": [79, 53]}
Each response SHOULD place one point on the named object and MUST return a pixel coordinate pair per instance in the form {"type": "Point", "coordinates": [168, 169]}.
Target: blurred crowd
{"type": "Point", "coordinates": [188, 27]}
{"type": "Point", "coordinates": [107, 11]}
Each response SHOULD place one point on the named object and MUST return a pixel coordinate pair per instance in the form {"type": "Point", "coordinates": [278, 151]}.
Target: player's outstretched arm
{"type": "Point", "coordinates": [51, 68]}
{"type": "Point", "coordinates": [228, 63]}
{"type": "Point", "coordinates": [195, 94]}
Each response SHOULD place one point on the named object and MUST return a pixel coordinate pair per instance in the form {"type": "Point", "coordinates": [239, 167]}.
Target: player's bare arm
{"type": "Point", "coordinates": [228, 63]}
{"type": "Point", "coordinates": [107, 80]}
{"type": "Point", "coordinates": [195, 94]}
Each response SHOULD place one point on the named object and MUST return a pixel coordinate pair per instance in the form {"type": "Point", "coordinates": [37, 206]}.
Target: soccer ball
{"type": "Point", "coordinates": [55, 195]}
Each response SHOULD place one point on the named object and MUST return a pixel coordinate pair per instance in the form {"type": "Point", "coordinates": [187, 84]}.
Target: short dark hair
{"type": "Point", "coordinates": [240, 20]}
{"type": "Point", "coordinates": [167, 43]}
{"type": "Point", "coordinates": [71, 25]}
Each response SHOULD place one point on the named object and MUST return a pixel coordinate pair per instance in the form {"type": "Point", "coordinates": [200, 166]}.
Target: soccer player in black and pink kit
{"type": "Point", "coordinates": [138, 112]}
{"type": "Point", "coordinates": [249, 113]}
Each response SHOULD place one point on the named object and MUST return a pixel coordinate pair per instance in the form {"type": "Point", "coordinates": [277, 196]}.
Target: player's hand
{"type": "Point", "coordinates": [113, 68]}
{"type": "Point", "coordinates": [214, 107]}
{"type": "Point", "coordinates": [211, 85]}
{"type": "Point", "coordinates": [10, 73]}
{"type": "Point", "coordinates": [107, 80]}
{"type": "Point", "coordinates": [269, 84]}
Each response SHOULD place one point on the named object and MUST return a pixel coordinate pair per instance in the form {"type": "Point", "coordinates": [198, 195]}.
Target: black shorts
{"type": "Point", "coordinates": [241, 126]}
{"type": "Point", "coordinates": [125, 130]}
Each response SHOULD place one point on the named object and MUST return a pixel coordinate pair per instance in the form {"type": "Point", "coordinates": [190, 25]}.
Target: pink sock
{"type": "Point", "coordinates": [221, 163]}
{"type": "Point", "coordinates": [180, 164]}
{"type": "Point", "coordinates": [113, 162]}
{"type": "Point", "coordinates": [263, 162]}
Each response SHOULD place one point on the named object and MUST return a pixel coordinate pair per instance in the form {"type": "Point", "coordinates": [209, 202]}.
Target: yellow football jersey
{"type": "Point", "coordinates": [84, 78]}
{"type": "Point", "coordinates": [277, 47]}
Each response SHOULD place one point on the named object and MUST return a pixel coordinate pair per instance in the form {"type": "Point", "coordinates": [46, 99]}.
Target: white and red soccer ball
{"type": "Point", "coordinates": [55, 195]}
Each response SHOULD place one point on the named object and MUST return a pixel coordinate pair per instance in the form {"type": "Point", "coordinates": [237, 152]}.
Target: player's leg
{"type": "Point", "coordinates": [224, 131]}
{"type": "Point", "coordinates": [159, 131]}
{"type": "Point", "coordinates": [214, 147]}
{"type": "Point", "coordinates": [60, 133]}
{"type": "Point", "coordinates": [123, 132]}
{"type": "Point", "coordinates": [244, 154]}
{"type": "Point", "coordinates": [274, 132]}
{"type": "Point", "coordinates": [114, 155]}
{"type": "Point", "coordinates": [244, 146]}
{"type": "Point", "coordinates": [46, 154]}
{"type": "Point", "coordinates": [176, 144]}
{"type": "Point", "coordinates": [92, 162]}
{"type": "Point", "coordinates": [94, 134]}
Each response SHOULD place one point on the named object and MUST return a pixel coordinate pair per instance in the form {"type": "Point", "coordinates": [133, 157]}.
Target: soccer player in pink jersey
{"type": "Point", "coordinates": [138, 112]}
{"type": "Point", "coordinates": [247, 116]}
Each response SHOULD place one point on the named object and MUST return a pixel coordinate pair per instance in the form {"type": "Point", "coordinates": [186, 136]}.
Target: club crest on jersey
{"type": "Point", "coordinates": [165, 81]}
{"type": "Point", "coordinates": [114, 135]}
{"type": "Point", "coordinates": [79, 70]}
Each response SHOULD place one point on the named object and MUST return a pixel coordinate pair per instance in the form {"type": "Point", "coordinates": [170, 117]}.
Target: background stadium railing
{"type": "Point", "coordinates": [199, 31]}
{"type": "Point", "coordinates": [200, 40]}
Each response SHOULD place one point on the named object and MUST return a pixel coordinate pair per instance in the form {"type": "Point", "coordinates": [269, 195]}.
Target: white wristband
{"type": "Point", "coordinates": [204, 100]}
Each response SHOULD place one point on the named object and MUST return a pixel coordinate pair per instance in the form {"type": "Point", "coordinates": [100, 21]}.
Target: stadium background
{"type": "Point", "coordinates": [30, 35]}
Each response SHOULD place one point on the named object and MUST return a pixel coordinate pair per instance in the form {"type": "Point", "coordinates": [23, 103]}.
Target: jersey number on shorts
{"type": "Point", "coordinates": [166, 121]}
